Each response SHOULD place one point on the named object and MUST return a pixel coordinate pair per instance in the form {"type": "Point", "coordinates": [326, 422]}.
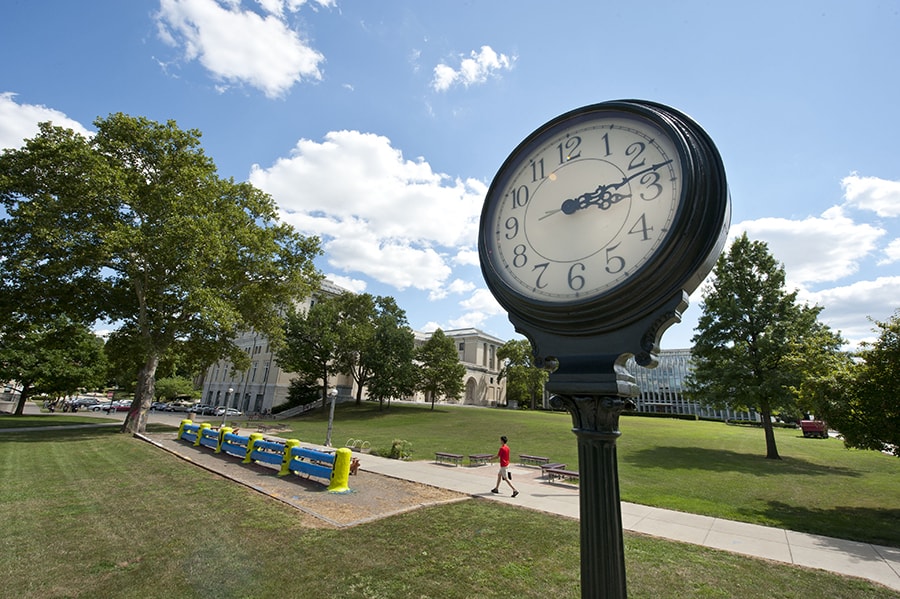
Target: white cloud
{"type": "Point", "coordinates": [239, 46]}
{"type": "Point", "coordinates": [891, 253]}
{"type": "Point", "coordinates": [816, 249]}
{"type": "Point", "coordinates": [348, 283]}
{"type": "Point", "coordinates": [848, 308]}
{"type": "Point", "coordinates": [477, 68]}
{"type": "Point", "coordinates": [397, 264]}
{"type": "Point", "coordinates": [473, 320]}
{"type": "Point", "coordinates": [466, 257]}
{"type": "Point", "coordinates": [482, 301]}
{"type": "Point", "coordinates": [478, 308]}
{"type": "Point", "coordinates": [431, 326]}
{"type": "Point", "coordinates": [380, 215]}
{"type": "Point", "coordinates": [19, 122]}
{"type": "Point", "coordinates": [277, 7]}
{"type": "Point", "coordinates": [871, 193]}
{"type": "Point", "coordinates": [455, 287]}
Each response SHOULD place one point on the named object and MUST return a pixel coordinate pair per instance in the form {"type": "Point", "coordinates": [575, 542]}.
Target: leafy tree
{"type": "Point", "coordinates": [56, 358]}
{"type": "Point", "coordinates": [440, 372]}
{"type": "Point", "coordinates": [302, 390]}
{"type": "Point", "coordinates": [311, 342]}
{"type": "Point", "coordinates": [134, 226]}
{"type": "Point", "coordinates": [524, 381]}
{"type": "Point", "coordinates": [859, 398]}
{"type": "Point", "coordinates": [175, 386]}
{"type": "Point", "coordinates": [755, 344]}
{"type": "Point", "coordinates": [394, 373]}
{"type": "Point", "coordinates": [355, 323]}
{"type": "Point", "coordinates": [376, 346]}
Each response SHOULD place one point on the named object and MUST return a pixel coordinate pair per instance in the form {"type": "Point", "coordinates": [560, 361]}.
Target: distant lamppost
{"type": "Point", "coordinates": [332, 393]}
{"type": "Point", "coordinates": [225, 407]}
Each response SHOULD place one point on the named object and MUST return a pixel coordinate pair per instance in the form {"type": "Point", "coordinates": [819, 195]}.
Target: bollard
{"type": "Point", "coordinates": [222, 431]}
{"type": "Point", "coordinates": [286, 462]}
{"type": "Point", "coordinates": [254, 437]}
{"type": "Point", "coordinates": [340, 472]}
{"type": "Point", "coordinates": [203, 426]}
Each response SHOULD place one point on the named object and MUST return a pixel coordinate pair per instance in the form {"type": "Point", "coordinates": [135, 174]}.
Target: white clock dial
{"type": "Point", "coordinates": [584, 207]}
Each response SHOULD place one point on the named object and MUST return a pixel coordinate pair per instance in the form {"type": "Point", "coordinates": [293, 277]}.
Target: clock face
{"type": "Point", "coordinates": [583, 205]}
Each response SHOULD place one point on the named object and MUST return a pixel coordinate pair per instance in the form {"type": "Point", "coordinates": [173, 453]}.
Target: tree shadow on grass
{"type": "Point", "coordinates": [879, 526]}
{"type": "Point", "coordinates": [719, 460]}
{"type": "Point", "coordinates": [73, 433]}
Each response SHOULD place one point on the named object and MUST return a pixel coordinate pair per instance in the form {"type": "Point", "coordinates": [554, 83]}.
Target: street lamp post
{"type": "Point", "coordinates": [225, 410]}
{"type": "Point", "coordinates": [332, 393]}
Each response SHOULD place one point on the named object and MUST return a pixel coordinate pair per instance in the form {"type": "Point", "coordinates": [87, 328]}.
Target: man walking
{"type": "Point", "coordinates": [503, 454]}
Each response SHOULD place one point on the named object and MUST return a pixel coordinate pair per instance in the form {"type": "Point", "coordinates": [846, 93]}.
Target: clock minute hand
{"type": "Point", "coordinates": [603, 198]}
{"type": "Point", "coordinates": [649, 169]}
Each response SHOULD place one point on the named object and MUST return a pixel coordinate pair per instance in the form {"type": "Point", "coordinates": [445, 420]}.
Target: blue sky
{"type": "Point", "coordinates": [379, 125]}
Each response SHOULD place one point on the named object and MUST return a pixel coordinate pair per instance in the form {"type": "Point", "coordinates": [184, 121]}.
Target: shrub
{"type": "Point", "coordinates": [399, 450]}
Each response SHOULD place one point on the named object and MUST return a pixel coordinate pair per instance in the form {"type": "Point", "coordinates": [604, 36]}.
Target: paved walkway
{"type": "Point", "coordinates": [876, 563]}
{"type": "Point", "coordinates": [873, 562]}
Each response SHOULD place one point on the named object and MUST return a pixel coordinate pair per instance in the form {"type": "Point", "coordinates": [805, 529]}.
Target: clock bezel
{"type": "Point", "coordinates": [679, 263]}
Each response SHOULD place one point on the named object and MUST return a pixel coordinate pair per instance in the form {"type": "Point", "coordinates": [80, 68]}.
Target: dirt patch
{"type": "Point", "coordinates": [371, 496]}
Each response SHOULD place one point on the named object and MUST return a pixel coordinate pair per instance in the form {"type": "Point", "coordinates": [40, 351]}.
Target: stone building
{"type": "Point", "coordinates": [478, 353]}
{"type": "Point", "coordinates": [265, 385]}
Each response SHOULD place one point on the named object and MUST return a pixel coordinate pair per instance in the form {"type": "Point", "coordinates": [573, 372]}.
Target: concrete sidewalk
{"type": "Point", "coordinates": [863, 560]}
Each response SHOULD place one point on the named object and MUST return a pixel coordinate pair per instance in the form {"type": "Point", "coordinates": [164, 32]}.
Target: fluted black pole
{"type": "Point", "coordinates": [596, 423]}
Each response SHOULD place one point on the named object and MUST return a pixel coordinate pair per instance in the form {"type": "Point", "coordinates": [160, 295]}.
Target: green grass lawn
{"type": "Point", "coordinates": [706, 468]}
{"type": "Point", "coordinates": [97, 514]}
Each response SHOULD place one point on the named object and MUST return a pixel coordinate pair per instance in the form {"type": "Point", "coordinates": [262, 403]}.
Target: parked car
{"type": "Point", "coordinates": [121, 405]}
{"type": "Point", "coordinates": [207, 410]}
{"type": "Point", "coordinates": [158, 405]}
{"type": "Point", "coordinates": [220, 411]}
{"type": "Point", "coordinates": [814, 428]}
{"type": "Point", "coordinates": [86, 402]}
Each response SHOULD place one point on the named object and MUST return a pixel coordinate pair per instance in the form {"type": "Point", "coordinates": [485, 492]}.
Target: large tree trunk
{"type": "Point", "coordinates": [23, 397]}
{"type": "Point", "coordinates": [359, 391]}
{"type": "Point", "coordinates": [771, 449]}
{"type": "Point", "coordinates": [136, 419]}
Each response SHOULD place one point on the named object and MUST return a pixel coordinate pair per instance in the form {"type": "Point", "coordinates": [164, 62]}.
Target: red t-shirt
{"type": "Point", "coordinates": [503, 454]}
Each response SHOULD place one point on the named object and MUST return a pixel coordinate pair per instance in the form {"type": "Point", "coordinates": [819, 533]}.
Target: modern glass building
{"type": "Point", "coordinates": [662, 388]}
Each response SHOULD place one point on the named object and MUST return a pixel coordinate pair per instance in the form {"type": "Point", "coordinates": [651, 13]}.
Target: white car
{"type": "Point", "coordinates": [231, 412]}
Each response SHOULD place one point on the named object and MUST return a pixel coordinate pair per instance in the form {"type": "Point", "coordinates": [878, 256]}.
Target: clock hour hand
{"type": "Point", "coordinates": [601, 197]}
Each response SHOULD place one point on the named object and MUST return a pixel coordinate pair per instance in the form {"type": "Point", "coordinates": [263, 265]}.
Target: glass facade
{"type": "Point", "coordinates": [662, 388]}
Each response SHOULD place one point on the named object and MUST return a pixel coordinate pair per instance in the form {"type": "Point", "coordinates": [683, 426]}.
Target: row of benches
{"type": "Point", "coordinates": [552, 470]}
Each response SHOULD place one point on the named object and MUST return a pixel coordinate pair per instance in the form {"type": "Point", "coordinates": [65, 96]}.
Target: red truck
{"type": "Point", "coordinates": [814, 428]}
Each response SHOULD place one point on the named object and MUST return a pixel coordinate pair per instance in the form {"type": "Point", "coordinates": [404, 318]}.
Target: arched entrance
{"type": "Point", "coordinates": [471, 391]}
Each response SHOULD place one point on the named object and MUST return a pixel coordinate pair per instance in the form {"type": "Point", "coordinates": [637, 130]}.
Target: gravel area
{"type": "Point", "coordinates": [371, 496]}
